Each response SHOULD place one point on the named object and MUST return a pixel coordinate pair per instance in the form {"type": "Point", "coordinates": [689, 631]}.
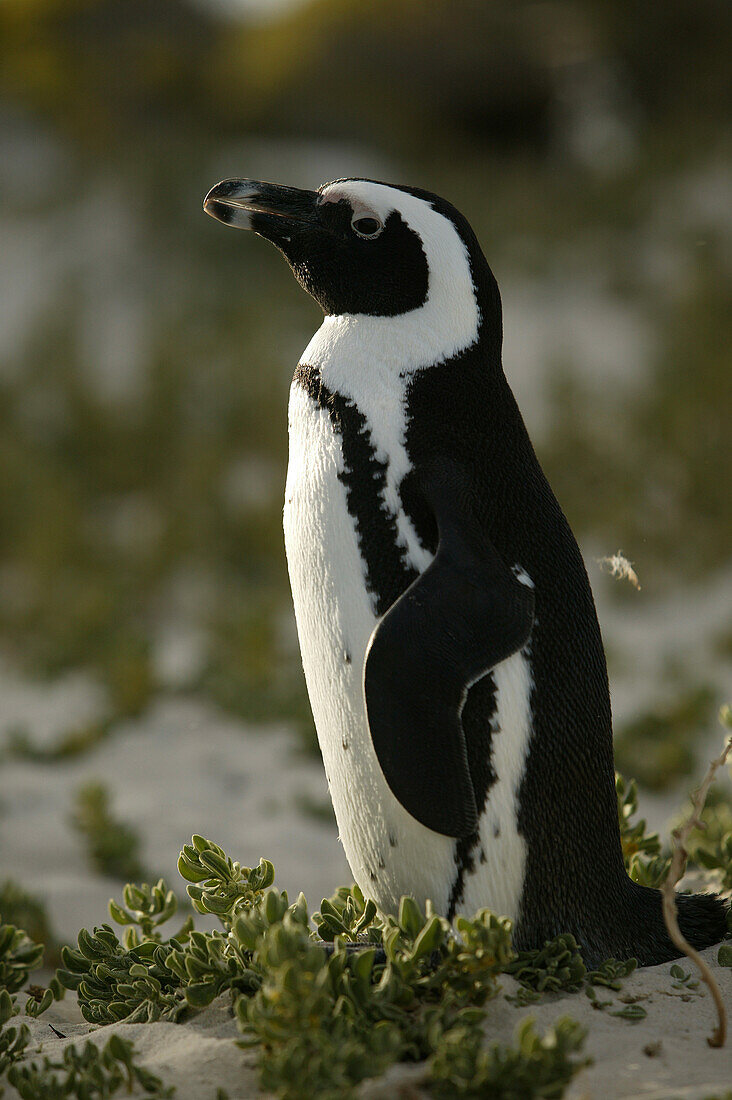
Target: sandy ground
{"type": "Point", "coordinates": [182, 768]}
{"type": "Point", "coordinates": [664, 1057]}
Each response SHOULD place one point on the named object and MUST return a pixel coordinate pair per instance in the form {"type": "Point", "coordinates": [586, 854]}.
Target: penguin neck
{"type": "Point", "coordinates": [465, 408]}
{"type": "Point", "coordinates": [371, 361]}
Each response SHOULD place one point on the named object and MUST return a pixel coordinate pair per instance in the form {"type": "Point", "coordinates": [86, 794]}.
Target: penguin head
{"type": "Point", "coordinates": [363, 248]}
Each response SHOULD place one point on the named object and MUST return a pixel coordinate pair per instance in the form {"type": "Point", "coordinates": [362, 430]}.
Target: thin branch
{"type": "Point", "coordinates": [676, 871]}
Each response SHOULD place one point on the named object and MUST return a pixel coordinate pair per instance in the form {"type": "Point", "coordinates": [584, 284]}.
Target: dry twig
{"type": "Point", "coordinates": [676, 871]}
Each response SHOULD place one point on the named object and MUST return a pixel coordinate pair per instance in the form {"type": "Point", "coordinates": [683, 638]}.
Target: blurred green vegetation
{"type": "Point", "coordinates": [658, 477]}
{"type": "Point", "coordinates": [113, 847]}
{"type": "Point", "coordinates": [28, 912]}
{"type": "Point", "coordinates": [657, 748]}
{"type": "Point", "coordinates": [399, 72]}
{"type": "Point", "coordinates": [143, 411]}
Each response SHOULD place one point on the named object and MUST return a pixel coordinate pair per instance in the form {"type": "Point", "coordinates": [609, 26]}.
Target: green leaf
{"type": "Point", "coordinates": [121, 1049]}
{"type": "Point", "coordinates": [200, 994]}
{"type": "Point", "coordinates": [36, 1008]}
{"type": "Point", "coordinates": [428, 939]}
{"type": "Point", "coordinates": [631, 1012]}
{"type": "Point", "coordinates": [190, 871]}
{"type": "Point", "coordinates": [90, 947]}
{"type": "Point", "coordinates": [410, 918]}
{"type": "Point", "coordinates": [7, 1006]}
{"type": "Point", "coordinates": [73, 960]}
{"type": "Point", "coordinates": [118, 914]}
{"type": "Point", "coordinates": [216, 864]}
{"type": "Point", "coordinates": [724, 956]}
{"type": "Point", "coordinates": [363, 965]}
{"type": "Point", "coordinates": [367, 917]}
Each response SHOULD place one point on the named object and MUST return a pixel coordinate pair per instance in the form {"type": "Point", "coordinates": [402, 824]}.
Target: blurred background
{"type": "Point", "coordinates": [150, 681]}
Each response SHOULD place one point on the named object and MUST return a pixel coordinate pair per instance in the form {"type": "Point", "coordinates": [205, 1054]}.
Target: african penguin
{"type": "Point", "coordinates": [449, 638]}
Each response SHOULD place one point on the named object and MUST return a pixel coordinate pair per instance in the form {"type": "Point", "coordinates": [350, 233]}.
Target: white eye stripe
{"type": "Point", "coordinates": [448, 321]}
{"type": "Point", "coordinates": [367, 226]}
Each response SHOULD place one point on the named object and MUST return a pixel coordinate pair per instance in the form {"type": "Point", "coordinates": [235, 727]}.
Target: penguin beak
{"type": "Point", "coordinates": [267, 208]}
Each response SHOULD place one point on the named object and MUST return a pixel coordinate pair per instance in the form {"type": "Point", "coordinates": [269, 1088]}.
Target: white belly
{"type": "Point", "coordinates": [389, 852]}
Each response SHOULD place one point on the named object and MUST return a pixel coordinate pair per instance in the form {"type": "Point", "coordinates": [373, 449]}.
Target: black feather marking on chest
{"type": "Point", "coordinates": [364, 478]}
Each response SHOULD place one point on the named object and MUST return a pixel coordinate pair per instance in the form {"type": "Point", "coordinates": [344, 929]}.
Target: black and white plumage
{"type": "Point", "coordinates": [448, 633]}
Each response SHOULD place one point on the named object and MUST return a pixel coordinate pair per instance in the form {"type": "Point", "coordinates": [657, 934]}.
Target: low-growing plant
{"type": "Point", "coordinates": [147, 977]}
{"type": "Point", "coordinates": [328, 1007]}
{"type": "Point", "coordinates": [634, 1013]}
{"type": "Point", "coordinates": [144, 910]}
{"type": "Point", "coordinates": [218, 884]}
{"type": "Point", "coordinates": [72, 743]}
{"type": "Point", "coordinates": [683, 979]}
{"type": "Point", "coordinates": [711, 847]}
{"type": "Point", "coordinates": [538, 1066]}
{"type": "Point", "coordinates": [26, 911]}
{"type": "Point", "coordinates": [114, 983]}
{"type": "Point", "coordinates": [612, 973]}
{"type": "Point", "coordinates": [14, 1038]}
{"type": "Point", "coordinates": [87, 1073]}
{"type": "Point", "coordinates": [313, 1017]}
{"type": "Point", "coordinates": [327, 1021]}
{"type": "Point", "coordinates": [324, 1017]}
{"type": "Point", "coordinates": [349, 915]}
{"type": "Point", "coordinates": [644, 861]}
{"type": "Point", "coordinates": [557, 966]}
{"type": "Point", "coordinates": [18, 956]}
{"type": "Point", "coordinates": [658, 747]}
{"type": "Point", "coordinates": [129, 979]}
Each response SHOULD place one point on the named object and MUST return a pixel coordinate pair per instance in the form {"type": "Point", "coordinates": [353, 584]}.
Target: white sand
{"type": "Point", "coordinates": [201, 1055]}
{"type": "Point", "coordinates": [184, 767]}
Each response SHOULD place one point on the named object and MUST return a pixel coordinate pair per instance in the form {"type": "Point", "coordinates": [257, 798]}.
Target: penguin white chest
{"type": "Point", "coordinates": [389, 852]}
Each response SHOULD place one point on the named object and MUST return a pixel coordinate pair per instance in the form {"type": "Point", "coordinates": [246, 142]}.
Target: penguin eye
{"type": "Point", "coordinates": [366, 227]}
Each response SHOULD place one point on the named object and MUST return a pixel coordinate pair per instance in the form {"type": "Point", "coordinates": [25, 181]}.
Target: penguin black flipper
{"type": "Point", "coordinates": [466, 612]}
